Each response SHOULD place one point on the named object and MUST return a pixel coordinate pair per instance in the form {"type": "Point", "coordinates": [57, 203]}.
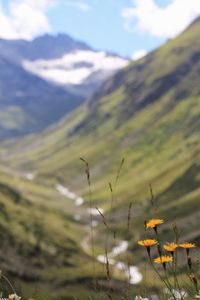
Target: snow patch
{"type": "Point", "coordinates": [122, 247]}
{"type": "Point", "coordinates": [67, 193]}
{"type": "Point", "coordinates": [29, 176]}
{"type": "Point", "coordinates": [95, 212]}
{"type": "Point", "coordinates": [79, 201]}
{"type": "Point", "coordinates": [132, 273]}
{"type": "Point", "coordinates": [76, 67]}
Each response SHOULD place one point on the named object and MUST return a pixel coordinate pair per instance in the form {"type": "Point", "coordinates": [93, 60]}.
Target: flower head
{"type": "Point", "coordinates": [187, 245]}
{"type": "Point", "coordinates": [170, 247]}
{"type": "Point", "coordinates": [13, 297]}
{"type": "Point", "coordinates": [138, 298]}
{"type": "Point", "coordinates": [153, 223]}
{"type": "Point", "coordinates": [163, 259]}
{"type": "Point", "coordinates": [148, 243]}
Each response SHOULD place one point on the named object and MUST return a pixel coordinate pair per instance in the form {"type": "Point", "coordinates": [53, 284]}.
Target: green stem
{"type": "Point", "coordinates": [6, 279]}
{"type": "Point", "coordinates": [165, 281]}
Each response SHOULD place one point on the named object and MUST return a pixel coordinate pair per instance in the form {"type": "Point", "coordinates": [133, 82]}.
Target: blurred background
{"type": "Point", "coordinates": [115, 83]}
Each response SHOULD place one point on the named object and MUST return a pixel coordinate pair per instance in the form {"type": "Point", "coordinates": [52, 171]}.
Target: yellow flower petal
{"type": "Point", "coordinates": [187, 245]}
{"type": "Point", "coordinates": [154, 223]}
{"type": "Point", "coordinates": [171, 247]}
{"type": "Point", "coordinates": [148, 243]}
{"type": "Point", "coordinates": [163, 259]}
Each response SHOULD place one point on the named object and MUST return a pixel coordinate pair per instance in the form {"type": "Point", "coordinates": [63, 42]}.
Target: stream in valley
{"type": "Point", "coordinates": [132, 273]}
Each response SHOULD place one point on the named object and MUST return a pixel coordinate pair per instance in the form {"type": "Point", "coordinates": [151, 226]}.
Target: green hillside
{"type": "Point", "coordinates": [148, 113]}
{"type": "Point", "coordinates": [41, 251]}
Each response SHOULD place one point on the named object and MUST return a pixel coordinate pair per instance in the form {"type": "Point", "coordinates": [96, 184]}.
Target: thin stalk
{"type": "Point", "coordinates": [177, 237]}
{"type": "Point", "coordinates": [87, 171]}
{"type": "Point", "coordinates": [128, 261]}
{"type": "Point", "coordinates": [165, 281]}
{"type": "Point", "coordinates": [9, 283]}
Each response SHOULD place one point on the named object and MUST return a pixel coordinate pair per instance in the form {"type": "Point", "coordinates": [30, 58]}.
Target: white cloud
{"type": "Point", "coordinates": [139, 54]}
{"type": "Point", "coordinates": [81, 5]}
{"type": "Point", "coordinates": [167, 22]}
{"type": "Point", "coordinates": [25, 19]}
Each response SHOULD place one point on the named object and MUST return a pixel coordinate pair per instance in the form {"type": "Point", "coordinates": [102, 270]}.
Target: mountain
{"type": "Point", "coordinates": [81, 72]}
{"type": "Point", "coordinates": [28, 103]}
{"type": "Point", "coordinates": [149, 114]}
{"type": "Point", "coordinates": [64, 61]}
{"type": "Point", "coordinates": [42, 47]}
{"type": "Point", "coordinates": [44, 79]}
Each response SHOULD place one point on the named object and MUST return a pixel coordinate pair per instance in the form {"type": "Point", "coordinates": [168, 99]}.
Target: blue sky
{"type": "Point", "coordinates": [127, 27]}
{"type": "Point", "coordinates": [102, 26]}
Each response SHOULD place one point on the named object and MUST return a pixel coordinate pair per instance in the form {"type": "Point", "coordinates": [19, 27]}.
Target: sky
{"type": "Point", "coordinates": [126, 27]}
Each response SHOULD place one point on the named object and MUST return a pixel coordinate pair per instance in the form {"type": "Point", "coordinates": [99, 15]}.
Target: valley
{"type": "Point", "coordinates": [148, 114]}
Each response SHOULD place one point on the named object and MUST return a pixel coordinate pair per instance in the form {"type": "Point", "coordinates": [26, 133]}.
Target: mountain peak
{"type": "Point", "coordinates": [61, 40]}
{"type": "Point", "coordinates": [46, 46]}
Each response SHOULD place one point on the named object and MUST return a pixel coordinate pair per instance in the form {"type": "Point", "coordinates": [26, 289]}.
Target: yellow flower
{"type": "Point", "coordinates": [153, 223]}
{"type": "Point", "coordinates": [187, 245]}
{"type": "Point", "coordinates": [171, 247]}
{"type": "Point", "coordinates": [163, 259]}
{"type": "Point", "coordinates": [148, 243]}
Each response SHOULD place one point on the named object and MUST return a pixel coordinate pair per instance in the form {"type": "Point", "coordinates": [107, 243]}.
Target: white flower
{"type": "Point", "coordinates": [13, 297]}
{"type": "Point", "coordinates": [140, 298]}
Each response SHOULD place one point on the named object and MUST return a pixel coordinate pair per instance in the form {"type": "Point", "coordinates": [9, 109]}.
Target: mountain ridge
{"type": "Point", "coordinates": [37, 99]}
{"type": "Point", "coordinates": [45, 46]}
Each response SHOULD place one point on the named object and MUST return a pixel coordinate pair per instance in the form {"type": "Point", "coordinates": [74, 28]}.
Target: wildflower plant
{"type": "Point", "coordinates": [167, 257]}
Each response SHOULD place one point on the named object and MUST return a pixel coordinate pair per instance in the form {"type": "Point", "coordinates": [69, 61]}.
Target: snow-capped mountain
{"type": "Point", "coordinates": [80, 71]}
{"type": "Point", "coordinates": [81, 67]}
{"type": "Point", "coordinates": [44, 79]}
{"type": "Point", "coordinates": [64, 61]}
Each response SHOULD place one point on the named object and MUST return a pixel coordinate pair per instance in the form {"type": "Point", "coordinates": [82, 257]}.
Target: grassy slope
{"type": "Point", "coordinates": [40, 242]}
{"type": "Point", "coordinates": [149, 114]}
